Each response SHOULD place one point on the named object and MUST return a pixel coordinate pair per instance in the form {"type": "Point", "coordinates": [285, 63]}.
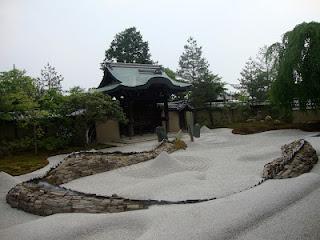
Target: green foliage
{"type": "Point", "coordinates": [93, 106]}
{"type": "Point", "coordinates": [255, 81]}
{"type": "Point", "coordinates": [128, 47]}
{"type": "Point", "coordinates": [76, 90]}
{"type": "Point", "coordinates": [299, 68]}
{"type": "Point", "coordinates": [51, 101]}
{"type": "Point", "coordinates": [49, 79]}
{"type": "Point", "coordinates": [180, 95]}
{"type": "Point", "coordinates": [46, 114]}
{"type": "Point", "coordinates": [272, 55]}
{"type": "Point", "coordinates": [170, 73]}
{"type": "Point", "coordinates": [51, 143]}
{"type": "Point", "coordinates": [258, 74]}
{"type": "Point", "coordinates": [17, 145]}
{"type": "Point", "coordinates": [192, 65]}
{"type": "Point", "coordinates": [206, 90]}
{"type": "Point", "coordinates": [17, 93]}
{"type": "Point", "coordinates": [241, 96]}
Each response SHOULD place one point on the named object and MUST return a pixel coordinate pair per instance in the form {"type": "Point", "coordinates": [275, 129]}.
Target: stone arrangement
{"type": "Point", "coordinates": [83, 164]}
{"type": "Point", "coordinates": [43, 199]}
{"type": "Point", "coordinates": [44, 196]}
{"type": "Point", "coordinates": [297, 158]}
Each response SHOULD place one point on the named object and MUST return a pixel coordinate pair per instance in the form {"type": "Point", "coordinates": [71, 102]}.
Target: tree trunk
{"type": "Point", "coordinates": [166, 113]}
{"type": "Point", "coordinates": [210, 117]}
{"type": "Point", "coordinates": [35, 139]}
{"type": "Point", "coordinates": [87, 135]}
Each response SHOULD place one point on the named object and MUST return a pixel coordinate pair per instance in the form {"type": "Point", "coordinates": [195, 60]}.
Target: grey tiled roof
{"type": "Point", "coordinates": [134, 76]}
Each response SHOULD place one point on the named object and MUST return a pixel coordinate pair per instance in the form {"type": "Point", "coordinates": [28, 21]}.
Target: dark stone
{"type": "Point", "coordinates": [297, 158]}
{"type": "Point", "coordinates": [196, 130]}
{"type": "Point", "coordinates": [161, 134]}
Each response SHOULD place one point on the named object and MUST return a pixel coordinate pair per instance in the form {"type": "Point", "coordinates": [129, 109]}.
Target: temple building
{"type": "Point", "coordinates": [143, 91]}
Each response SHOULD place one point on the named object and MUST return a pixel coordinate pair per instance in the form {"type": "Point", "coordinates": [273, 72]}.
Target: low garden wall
{"type": "Point", "coordinates": [224, 116]}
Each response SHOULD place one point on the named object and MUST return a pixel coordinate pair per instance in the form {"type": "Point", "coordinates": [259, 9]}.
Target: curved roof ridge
{"type": "Point", "coordinates": [133, 65]}
{"type": "Point", "coordinates": [139, 76]}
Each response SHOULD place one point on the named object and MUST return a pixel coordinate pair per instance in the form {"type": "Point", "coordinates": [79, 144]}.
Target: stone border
{"type": "Point", "coordinates": [43, 199]}
{"type": "Point", "coordinates": [43, 195]}
{"type": "Point", "coordinates": [39, 197]}
{"type": "Point", "coordinates": [109, 161]}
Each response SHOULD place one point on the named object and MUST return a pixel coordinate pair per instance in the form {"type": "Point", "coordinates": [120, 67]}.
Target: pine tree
{"type": "Point", "coordinates": [192, 66]}
{"type": "Point", "coordinates": [49, 79]}
{"type": "Point", "coordinates": [255, 81]}
{"type": "Point", "coordinates": [128, 47]}
{"type": "Point", "coordinates": [259, 73]}
{"type": "Point", "coordinates": [206, 86]}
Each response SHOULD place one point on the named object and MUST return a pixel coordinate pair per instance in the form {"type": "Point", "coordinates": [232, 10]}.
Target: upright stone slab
{"type": "Point", "coordinates": [161, 134]}
{"type": "Point", "coordinates": [196, 130]}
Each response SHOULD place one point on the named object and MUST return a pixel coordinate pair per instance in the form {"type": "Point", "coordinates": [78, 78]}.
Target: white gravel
{"type": "Point", "coordinates": [8, 215]}
{"type": "Point", "coordinates": [217, 164]}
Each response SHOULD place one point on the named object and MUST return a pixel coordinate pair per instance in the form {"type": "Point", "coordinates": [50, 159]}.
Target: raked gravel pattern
{"type": "Point", "coordinates": [277, 209]}
{"type": "Point", "coordinates": [214, 166]}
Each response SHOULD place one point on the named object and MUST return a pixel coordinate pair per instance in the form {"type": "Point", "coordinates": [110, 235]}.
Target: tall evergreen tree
{"type": "Point", "coordinates": [192, 65]}
{"type": "Point", "coordinates": [49, 79]}
{"type": "Point", "coordinates": [259, 73]}
{"type": "Point", "coordinates": [255, 81]}
{"type": "Point", "coordinates": [207, 90]}
{"type": "Point", "coordinates": [128, 47]}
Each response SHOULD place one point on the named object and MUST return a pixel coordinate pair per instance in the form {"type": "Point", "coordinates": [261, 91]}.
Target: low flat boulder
{"type": "Point", "coordinates": [296, 158]}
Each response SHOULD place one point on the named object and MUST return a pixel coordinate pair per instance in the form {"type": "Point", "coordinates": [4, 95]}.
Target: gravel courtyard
{"type": "Point", "coordinates": [219, 164]}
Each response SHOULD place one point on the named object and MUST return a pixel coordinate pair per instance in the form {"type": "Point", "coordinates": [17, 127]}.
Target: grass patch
{"type": "Point", "coordinates": [26, 162]}
{"type": "Point", "coordinates": [257, 127]}
{"type": "Point", "coordinates": [22, 163]}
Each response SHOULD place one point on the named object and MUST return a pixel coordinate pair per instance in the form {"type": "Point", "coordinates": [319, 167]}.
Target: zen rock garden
{"type": "Point", "coordinates": [44, 196]}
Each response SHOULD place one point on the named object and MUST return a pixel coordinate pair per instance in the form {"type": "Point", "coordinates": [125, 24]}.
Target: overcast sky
{"type": "Point", "coordinates": [72, 35]}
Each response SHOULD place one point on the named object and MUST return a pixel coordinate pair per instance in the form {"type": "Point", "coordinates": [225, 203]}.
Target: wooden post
{"type": "Point", "coordinates": [130, 124]}
{"type": "Point", "coordinates": [166, 112]}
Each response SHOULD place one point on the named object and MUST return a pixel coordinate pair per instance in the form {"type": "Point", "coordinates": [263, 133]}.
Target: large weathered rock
{"type": "Point", "coordinates": [297, 158]}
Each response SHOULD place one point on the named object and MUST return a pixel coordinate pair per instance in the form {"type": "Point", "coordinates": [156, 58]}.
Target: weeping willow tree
{"type": "Point", "coordinates": [298, 78]}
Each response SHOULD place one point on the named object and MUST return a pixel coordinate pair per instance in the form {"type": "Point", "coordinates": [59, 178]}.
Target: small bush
{"type": "Point", "coordinates": [18, 145]}
{"type": "Point", "coordinates": [179, 144]}
{"type": "Point", "coordinates": [52, 143]}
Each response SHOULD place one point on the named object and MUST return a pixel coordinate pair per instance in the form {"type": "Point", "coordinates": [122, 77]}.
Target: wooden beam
{"type": "Point", "coordinates": [131, 120]}
{"type": "Point", "coordinates": [166, 112]}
